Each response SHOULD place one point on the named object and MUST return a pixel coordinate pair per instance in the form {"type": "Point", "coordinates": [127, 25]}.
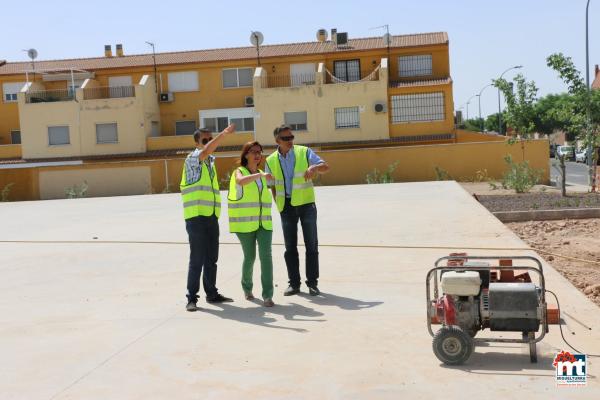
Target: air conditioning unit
{"type": "Point", "coordinates": [166, 97]}
{"type": "Point", "coordinates": [342, 38]}
{"type": "Point", "coordinates": [380, 107]}
{"type": "Point", "coordinates": [249, 101]}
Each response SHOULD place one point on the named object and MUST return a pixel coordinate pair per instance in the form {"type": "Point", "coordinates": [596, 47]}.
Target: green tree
{"type": "Point", "coordinates": [520, 105]}
{"type": "Point", "coordinates": [558, 112]}
{"type": "Point", "coordinates": [473, 124]}
{"type": "Point", "coordinates": [491, 123]}
{"type": "Point", "coordinates": [585, 111]}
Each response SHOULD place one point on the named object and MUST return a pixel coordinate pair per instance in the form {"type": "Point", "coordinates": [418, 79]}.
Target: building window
{"type": "Point", "coordinates": [58, 135]}
{"type": "Point", "coordinates": [216, 120]}
{"type": "Point", "coordinates": [414, 66]}
{"type": "Point", "coordinates": [215, 124]}
{"type": "Point", "coordinates": [243, 124]}
{"type": "Point", "coordinates": [237, 77]}
{"type": "Point", "coordinates": [183, 81]}
{"type": "Point", "coordinates": [155, 129]}
{"type": "Point", "coordinates": [296, 120]}
{"type": "Point", "coordinates": [72, 86]}
{"type": "Point", "coordinates": [15, 137]}
{"type": "Point", "coordinates": [347, 117]}
{"type": "Point", "coordinates": [302, 74]}
{"type": "Point", "coordinates": [106, 133]}
{"type": "Point", "coordinates": [10, 90]}
{"type": "Point", "coordinates": [185, 127]}
{"type": "Point", "coordinates": [347, 70]}
{"type": "Point", "coordinates": [418, 107]}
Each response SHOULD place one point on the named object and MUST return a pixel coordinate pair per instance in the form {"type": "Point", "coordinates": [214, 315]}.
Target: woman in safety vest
{"type": "Point", "coordinates": [249, 208]}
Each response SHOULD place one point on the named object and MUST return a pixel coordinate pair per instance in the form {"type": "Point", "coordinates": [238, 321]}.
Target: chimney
{"type": "Point", "coordinates": [119, 48]}
{"type": "Point", "coordinates": [334, 35]}
{"type": "Point", "coordinates": [107, 50]}
{"type": "Point", "coordinates": [597, 70]}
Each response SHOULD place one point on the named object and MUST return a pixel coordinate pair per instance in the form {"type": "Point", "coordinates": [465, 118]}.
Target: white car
{"type": "Point", "coordinates": [581, 155]}
{"type": "Point", "coordinates": [567, 151]}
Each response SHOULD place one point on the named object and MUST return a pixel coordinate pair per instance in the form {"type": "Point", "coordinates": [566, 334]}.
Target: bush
{"type": "Point", "coordinates": [382, 177]}
{"type": "Point", "coordinates": [441, 174]}
{"type": "Point", "coordinates": [6, 191]}
{"type": "Point", "coordinates": [76, 191]}
{"type": "Point", "coordinates": [520, 176]}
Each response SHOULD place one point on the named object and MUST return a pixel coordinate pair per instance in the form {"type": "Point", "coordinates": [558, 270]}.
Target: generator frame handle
{"type": "Point", "coordinates": [466, 258]}
{"type": "Point", "coordinates": [538, 270]}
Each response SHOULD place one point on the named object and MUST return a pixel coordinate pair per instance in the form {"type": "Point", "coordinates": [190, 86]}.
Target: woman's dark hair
{"type": "Point", "coordinates": [245, 149]}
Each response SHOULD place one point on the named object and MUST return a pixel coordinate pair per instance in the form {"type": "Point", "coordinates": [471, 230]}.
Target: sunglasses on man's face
{"type": "Point", "coordinates": [206, 140]}
{"type": "Point", "coordinates": [287, 138]}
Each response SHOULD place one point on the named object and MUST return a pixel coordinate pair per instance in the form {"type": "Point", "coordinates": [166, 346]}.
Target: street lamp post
{"type": "Point", "coordinates": [499, 107]}
{"type": "Point", "coordinates": [590, 149]}
{"type": "Point", "coordinates": [479, 95]}
{"type": "Point", "coordinates": [469, 102]}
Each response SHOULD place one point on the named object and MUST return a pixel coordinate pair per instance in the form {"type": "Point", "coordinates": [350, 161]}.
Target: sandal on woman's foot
{"type": "Point", "coordinates": [249, 295]}
{"type": "Point", "coordinates": [268, 303]}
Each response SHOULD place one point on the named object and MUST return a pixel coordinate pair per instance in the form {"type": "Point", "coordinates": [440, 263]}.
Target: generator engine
{"type": "Point", "coordinates": [476, 295]}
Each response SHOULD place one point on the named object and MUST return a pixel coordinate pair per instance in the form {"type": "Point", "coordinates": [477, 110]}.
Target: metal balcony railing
{"type": "Point", "coordinates": [106, 92]}
{"type": "Point", "coordinates": [47, 96]}
{"type": "Point", "coordinates": [285, 80]}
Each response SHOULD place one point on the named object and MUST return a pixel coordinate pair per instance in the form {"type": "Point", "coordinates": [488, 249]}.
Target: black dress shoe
{"type": "Point", "coordinates": [314, 290]}
{"type": "Point", "coordinates": [218, 298]}
{"type": "Point", "coordinates": [290, 291]}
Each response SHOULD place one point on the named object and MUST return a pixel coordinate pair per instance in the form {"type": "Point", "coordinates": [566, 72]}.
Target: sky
{"type": "Point", "coordinates": [486, 37]}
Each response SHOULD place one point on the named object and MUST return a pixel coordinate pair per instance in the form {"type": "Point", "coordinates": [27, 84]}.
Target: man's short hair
{"type": "Point", "coordinates": [199, 132]}
{"type": "Point", "coordinates": [281, 128]}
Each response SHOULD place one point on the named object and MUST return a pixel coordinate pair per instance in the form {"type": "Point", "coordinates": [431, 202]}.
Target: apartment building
{"type": "Point", "coordinates": [336, 92]}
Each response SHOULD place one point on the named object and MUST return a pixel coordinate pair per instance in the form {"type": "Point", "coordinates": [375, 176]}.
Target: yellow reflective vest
{"type": "Point", "coordinates": [201, 198]}
{"type": "Point", "coordinates": [302, 190]}
{"type": "Point", "coordinates": [248, 207]}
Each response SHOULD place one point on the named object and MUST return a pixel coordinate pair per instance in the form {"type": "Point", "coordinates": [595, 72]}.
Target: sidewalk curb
{"type": "Point", "coordinates": [547, 215]}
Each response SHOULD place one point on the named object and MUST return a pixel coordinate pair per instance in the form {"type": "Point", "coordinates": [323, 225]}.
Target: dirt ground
{"type": "Point", "coordinates": [578, 239]}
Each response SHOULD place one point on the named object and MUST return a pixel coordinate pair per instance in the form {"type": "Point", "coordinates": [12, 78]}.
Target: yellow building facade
{"type": "Point", "coordinates": [359, 91]}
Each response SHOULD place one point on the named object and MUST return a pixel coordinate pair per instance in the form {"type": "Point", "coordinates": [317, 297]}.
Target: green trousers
{"type": "Point", "coordinates": [248, 241]}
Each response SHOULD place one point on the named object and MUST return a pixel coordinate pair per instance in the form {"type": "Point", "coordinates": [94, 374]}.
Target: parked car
{"type": "Point", "coordinates": [566, 151]}
{"type": "Point", "coordinates": [581, 155]}
{"type": "Point", "coordinates": [552, 150]}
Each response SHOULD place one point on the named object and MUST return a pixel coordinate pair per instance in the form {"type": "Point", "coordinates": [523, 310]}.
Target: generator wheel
{"type": "Point", "coordinates": [452, 346]}
{"type": "Point", "coordinates": [532, 346]}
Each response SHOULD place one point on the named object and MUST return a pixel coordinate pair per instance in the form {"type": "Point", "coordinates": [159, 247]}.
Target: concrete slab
{"type": "Point", "coordinates": [106, 319]}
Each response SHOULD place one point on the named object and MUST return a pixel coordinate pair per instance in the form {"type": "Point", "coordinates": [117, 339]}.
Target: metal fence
{"type": "Point", "coordinates": [286, 80]}
{"type": "Point", "coordinates": [46, 96]}
{"type": "Point", "coordinates": [105, 92]}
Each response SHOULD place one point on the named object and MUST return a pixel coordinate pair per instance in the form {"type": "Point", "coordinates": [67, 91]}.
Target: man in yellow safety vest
{"type": "Point", "coordinates": [201, 209]}
{"type": "Point", "coordinates": [293, 167]}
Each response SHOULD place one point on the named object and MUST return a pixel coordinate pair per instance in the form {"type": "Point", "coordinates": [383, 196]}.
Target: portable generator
{"type": "Point", "coordinates": [479, 292]}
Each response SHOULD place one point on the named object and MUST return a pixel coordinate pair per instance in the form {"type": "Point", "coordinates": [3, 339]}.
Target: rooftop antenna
{"type": "Point", "coordinates": [32, 53]}
{"type": "Point", "coordinates": [154, 62]}
{"type": "Point", "coordinates": [387, 38]}
{"type": "Point", "coordinates": [256, 38]}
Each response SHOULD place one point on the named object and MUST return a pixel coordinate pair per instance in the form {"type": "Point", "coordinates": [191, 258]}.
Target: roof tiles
{"type": "Point", "coordinates": [227, 54]}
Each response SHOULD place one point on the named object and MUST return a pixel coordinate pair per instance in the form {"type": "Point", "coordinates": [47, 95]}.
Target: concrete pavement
{"type": "Point", "coordinates": [99, 312]}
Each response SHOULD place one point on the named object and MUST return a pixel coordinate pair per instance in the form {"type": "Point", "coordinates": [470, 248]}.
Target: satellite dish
{"type": "Point", "coordinates": [32, 53]}
{"type": "Point", "coordinates": [256, 38]}
{"type": "Point", "coordinates": [387, 39]}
